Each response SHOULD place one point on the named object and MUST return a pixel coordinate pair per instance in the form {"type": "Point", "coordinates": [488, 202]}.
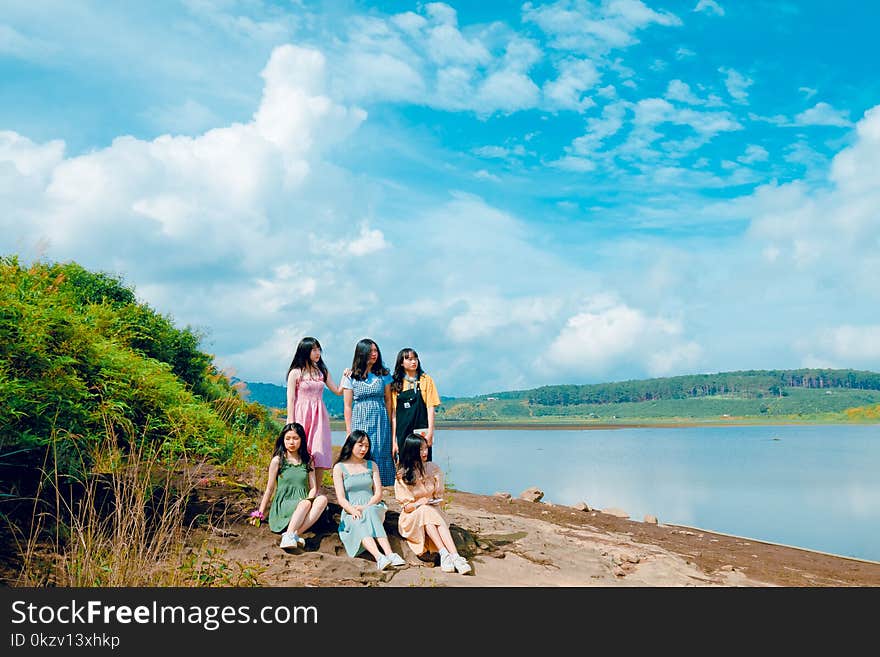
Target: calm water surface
{"type": "Point", "coordinates": [811, 486]}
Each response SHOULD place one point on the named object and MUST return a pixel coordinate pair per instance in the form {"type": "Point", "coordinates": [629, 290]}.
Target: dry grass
{"type": "Point", "coordinates": [121, 524]}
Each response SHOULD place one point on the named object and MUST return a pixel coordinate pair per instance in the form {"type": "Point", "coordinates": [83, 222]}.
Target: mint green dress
{"type": "Point", "coordinates": [291, 488]}
{"type": "Point", "coordinates": [359, 490]}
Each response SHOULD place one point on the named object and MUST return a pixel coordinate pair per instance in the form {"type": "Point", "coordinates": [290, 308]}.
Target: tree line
{"type": "Point", "coordinates": [742, 384]}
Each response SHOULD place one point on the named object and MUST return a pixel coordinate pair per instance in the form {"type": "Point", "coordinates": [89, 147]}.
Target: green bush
{"type": "Point", "coordinates": [81, 359]}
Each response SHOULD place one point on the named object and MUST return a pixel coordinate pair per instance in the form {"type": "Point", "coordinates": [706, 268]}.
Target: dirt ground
{"type": "Point", "coordinates": [509, 542]}
{"type": "Point", "coordinates": [512, 542]}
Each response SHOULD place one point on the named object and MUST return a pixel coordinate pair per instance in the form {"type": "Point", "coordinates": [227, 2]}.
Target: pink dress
{"type": "Point", "coordinates": [311, 412]}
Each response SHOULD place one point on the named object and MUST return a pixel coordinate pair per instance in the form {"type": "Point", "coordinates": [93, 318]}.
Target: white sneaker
{"type": "Point", "coordinates": [300, 541]}
{"type": "Point", "coordinates": [461, 565]}
{"type": "Point", "coordinates": [382, 562]}
{"type": "Point", "coordinates": [396, 560]}
{"type": "Point", "coordinates": [288, 540]}
{"type": "Point", "coordinates": [446, 564]}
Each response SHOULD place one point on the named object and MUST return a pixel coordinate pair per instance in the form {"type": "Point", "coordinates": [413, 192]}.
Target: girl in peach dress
{"type": "Point", "coordinates": [419, 488]}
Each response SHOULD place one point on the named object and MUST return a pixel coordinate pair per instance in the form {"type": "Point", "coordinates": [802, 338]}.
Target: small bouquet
{"type": "Point", "coordinates": [256, 518]}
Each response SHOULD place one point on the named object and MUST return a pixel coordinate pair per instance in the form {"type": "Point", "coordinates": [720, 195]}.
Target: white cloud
{"type": "Point", "coordinates": [573, 163]}
{"type": "Point", "coordinates": [776, 119]}
{"type": "Point", "coordinates": [809, 92]}
{"type": "Point", "coordinates": [567, 90]}
{"type": "Point", "coordinates": [483, 174]}
{"type": "Point", "coordinates": [709, 7]}
{"type": "Point", "coordinates": [829, 228]}
{"type": "Point", "coordinates": [608, 332]}
{"type": "Point", "coordinates": [684, 53]}
{"type": "Point", "coordinates": [843, 346]}
{"type": "Point", "coordinates": [823, 114]}
{"type": "Point", "coordinates": [500, 152]}
{"type": "Point", "coordinates": [754, 153]}
{"type": "Point", "coordinates": [651, 113]}
{"type": "Point", "coordinates": [599, 129]}
{"type": "Point", "coordinates": [506, 91]}
{"type": "Point", "coordinates": [586, 28]}
{"type": "Point", "coordinates": [736, 84]}
{"type": "Point", "coordinates": [681, 92]}
{"type": "Point", "coordinates": [28, 158]}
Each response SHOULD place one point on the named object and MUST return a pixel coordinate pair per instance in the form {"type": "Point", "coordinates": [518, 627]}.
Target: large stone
{"type": "Point", "coordinates": [503, 494]}
{"type": "Point", "coordinates": [652, 520]}
{"type": "Point", "coordinates": [582, 506]}
{"type": "Point", "coordinates": [617, 513]}
{"type": "Point", "coordinates": [532, 494]}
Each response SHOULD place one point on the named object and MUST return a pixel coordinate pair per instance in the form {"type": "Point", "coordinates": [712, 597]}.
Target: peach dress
{"type": "Point", "coordinates": [412, 525]}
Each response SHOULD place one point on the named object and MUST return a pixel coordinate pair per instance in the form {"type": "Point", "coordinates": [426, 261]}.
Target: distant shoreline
{"type": "Point", "coordinates": [584, 426]}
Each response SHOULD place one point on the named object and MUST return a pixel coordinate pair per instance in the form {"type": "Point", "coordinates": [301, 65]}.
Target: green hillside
{"type": "Point", "coordinates": [274, 396]}
{"type": "Point", "coordinates": [802, 394]}
{"type": "Point", "coordinates": [82, 362]}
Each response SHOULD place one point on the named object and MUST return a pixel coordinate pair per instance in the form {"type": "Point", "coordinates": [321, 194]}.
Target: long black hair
{"type": "Point", "coordinates": [348, 446]}
{"type": "Point", "coordinates": [411, 459]}
{"type": "Point", "coordinates": [281, 451]}
{"type": "Point", "coordinates": [359, 362]}
{"type": "Point", "coordinates": [302, 358]}
{"type": "Point", "coordinates": [400, 372]}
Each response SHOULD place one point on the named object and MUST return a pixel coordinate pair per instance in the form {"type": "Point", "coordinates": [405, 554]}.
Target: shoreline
{"type": "Point", "coordinates": [336, 425]}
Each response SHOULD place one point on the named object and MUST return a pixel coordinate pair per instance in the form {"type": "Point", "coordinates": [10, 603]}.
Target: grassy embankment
{"type": "Point", "coordinates": [107, 411]}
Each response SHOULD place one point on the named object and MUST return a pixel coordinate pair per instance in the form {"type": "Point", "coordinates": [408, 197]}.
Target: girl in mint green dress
{"type": "Point", "coordinates": [358, 489]}
{"type": "Point", "coordinates": [292, 487]}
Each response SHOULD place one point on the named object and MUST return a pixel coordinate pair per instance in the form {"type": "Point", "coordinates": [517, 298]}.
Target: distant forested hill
{"type": "Point", "coordinates": [274, 396]}
{"type": "Point", "coordinates": [752, 393]}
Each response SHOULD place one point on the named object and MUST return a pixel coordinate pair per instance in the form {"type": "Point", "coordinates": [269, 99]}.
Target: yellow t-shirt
{"type": "Point", "coordinates": [429, 392]}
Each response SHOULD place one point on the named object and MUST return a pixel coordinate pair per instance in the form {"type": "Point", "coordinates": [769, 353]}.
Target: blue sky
{"type": "Point", "coordinates": [527, 193]}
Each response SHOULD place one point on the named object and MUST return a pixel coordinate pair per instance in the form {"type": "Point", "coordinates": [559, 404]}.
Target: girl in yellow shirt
{"type": "Point", "coordinates": [414, 398]}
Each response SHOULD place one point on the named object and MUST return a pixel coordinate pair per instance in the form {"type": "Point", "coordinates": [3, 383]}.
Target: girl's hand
{"type": "Point", "coordinates": [429, 437]}
{"type": "Point", "coordinates": [356, 512]}
{"type": "Point", "coordinates": [256, 518]}
{"type": "Point", "coordinates": [346, 371]}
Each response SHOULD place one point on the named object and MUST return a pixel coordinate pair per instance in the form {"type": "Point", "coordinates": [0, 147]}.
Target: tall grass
{"type": "Point", "coordinates": [121, 524]}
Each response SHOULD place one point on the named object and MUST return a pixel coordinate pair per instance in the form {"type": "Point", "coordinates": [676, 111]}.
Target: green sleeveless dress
{"type": "Point", "coordinates": [292, 487]}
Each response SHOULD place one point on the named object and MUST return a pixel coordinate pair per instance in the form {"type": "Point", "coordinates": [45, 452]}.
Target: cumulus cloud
{"type": "Point", "coordinates": [608, 332]}
{"type": "Point", "coordinates": [843, 346]}
{"type": "Point", "coordinates": [823, 114]}
{"type": "Point", "coordinates": [832, 222]}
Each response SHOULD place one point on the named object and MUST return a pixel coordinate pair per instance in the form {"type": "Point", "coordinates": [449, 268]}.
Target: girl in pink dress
{"type": "Point", "coordinates": [306, 378]}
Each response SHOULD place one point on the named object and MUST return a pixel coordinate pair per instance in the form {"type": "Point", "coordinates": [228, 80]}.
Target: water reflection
{"type": "Point", "coordinates": [812, 486]}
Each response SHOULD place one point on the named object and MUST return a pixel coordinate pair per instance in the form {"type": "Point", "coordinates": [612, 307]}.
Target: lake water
{"type": "Point", "coordinates": [811, 486]}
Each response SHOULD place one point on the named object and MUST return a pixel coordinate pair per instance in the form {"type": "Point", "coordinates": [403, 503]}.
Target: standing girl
{"type": "Point", "coordinates": [296, 504]}
{"type": "Point", "coordinates": [367, 398]}
{"type": "Point", "coordinates": [413, 400]}
{"type": "Point", "coordinates": [359, 493]}
{"type": "Point", "coordinates": [306, 378]}
{"type": "Point", "coordinates": [419, 489]}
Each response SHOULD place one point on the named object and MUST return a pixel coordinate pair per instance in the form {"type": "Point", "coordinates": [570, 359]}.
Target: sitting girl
{"type": "Point", "coordinates": [359, 493]}
{"type": "Point", "coordinates": [419, 489]}
{"type": "Point", "coordinates": [296, 504]}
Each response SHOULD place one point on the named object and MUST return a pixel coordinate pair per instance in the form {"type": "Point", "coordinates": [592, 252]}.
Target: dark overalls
{"type": "Point", "coordinates": [412, 414]}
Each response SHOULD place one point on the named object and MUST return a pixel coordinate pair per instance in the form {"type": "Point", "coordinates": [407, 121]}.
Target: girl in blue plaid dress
{"type": "Point", "coordinates": [367, 395]}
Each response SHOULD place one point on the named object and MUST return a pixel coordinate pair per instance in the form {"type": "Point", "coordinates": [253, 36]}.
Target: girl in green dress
{"type": "Point", "coordinates": [296, 504]}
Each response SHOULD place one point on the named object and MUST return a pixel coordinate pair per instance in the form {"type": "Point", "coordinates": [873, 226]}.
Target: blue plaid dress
{"type": "Point", "coordinates": [368, 414]}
